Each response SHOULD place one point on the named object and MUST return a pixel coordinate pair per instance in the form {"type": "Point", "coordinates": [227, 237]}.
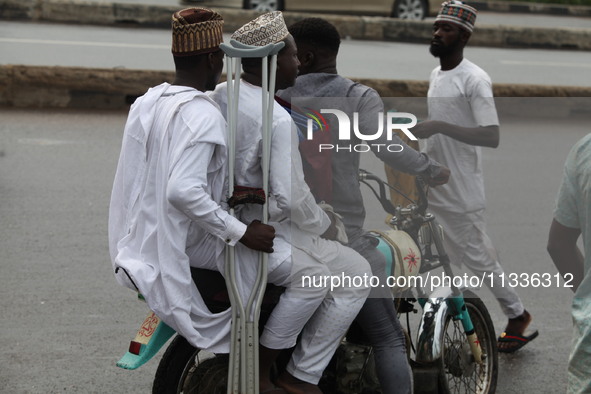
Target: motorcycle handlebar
{"type": "Point", "coordinates": [387, 205]}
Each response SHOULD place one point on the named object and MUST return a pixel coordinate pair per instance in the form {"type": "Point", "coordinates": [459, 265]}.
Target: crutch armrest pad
{"type": "Point", "coordinates": [238, 49]}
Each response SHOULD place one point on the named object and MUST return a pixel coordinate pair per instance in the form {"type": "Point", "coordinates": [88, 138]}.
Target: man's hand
{"type": "Point", "coordinates": [440, 179]}
{"type": "Point", "coordinates": [331, 231]}
{"type": "Point", "coordinates": [427, 128]}
{"type": "Point", "coordinates": [259, 236]}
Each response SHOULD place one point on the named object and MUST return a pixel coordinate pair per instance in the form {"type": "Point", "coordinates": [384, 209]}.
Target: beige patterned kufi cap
{"type": "Point", "coordinates": [458, 13]}
{"type": "Point", "coordinates": [196, 31]}
{"type": "Point", "coordinates": [268, 28]}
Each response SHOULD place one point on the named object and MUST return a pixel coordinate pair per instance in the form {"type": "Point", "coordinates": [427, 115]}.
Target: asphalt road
{"type": "Point", "coordinates": [66, 321]}
{"type": "Point", "coordinates": [45, 44]}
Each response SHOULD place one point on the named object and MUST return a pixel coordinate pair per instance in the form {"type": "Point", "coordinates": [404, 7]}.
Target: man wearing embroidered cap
{"type": "Point", "coordinates": [462, 119]}
{"type": "Point", "coordinates": [459, 14]}
{"type": "Point", "coordinates": [335, 178]}
{"type": "Point", "coordinates": [301, 247]}
{"type": "Point", "coordinates": [169, 186]}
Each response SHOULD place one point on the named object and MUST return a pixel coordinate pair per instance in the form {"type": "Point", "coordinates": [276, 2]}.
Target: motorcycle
{"type": "Point", "coordinates": [455, 349]}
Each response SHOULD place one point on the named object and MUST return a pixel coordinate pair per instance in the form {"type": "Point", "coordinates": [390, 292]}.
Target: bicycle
{"type": "Point", "coordinates": [455, 349]}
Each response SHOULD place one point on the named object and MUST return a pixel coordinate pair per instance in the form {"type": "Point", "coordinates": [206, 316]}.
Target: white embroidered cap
{"type": "Point", "coordinates": [268, 28]}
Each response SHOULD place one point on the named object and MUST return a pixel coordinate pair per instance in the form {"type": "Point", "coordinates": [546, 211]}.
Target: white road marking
{"type": "Point", "coordinates": [544, 64]}
{"type": "Point", "coordinates": [44, 141]}
{"type": "Point", "coordinates": [82, 43]}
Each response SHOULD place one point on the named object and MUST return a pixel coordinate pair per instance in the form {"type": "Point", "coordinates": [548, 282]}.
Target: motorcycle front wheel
{"type": "Point", "coordinates": [186, 369]}
{"type": "Point", "coordinates": [459, 372]}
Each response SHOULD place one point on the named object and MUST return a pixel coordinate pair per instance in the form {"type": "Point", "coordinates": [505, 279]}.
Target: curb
{"type": "Point", "coordinates": [92, 88]}
{"type": "Point", "coordinates": [531, 8]}
{"type": "Point", "coordinates": [364, 27]}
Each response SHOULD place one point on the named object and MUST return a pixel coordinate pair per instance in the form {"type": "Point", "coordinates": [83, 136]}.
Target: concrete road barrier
{"type": "Point", "coordinates": [77, 87]}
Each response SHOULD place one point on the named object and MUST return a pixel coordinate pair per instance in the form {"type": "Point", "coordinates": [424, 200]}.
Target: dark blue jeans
{"type": "Point", "coordinates": [379, 321]}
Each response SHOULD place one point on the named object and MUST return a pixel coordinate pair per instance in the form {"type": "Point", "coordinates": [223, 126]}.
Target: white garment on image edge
{"type": "Point", "coordinates": [573, 210]}
{"type": "Point", "coordinates": [159, 195]}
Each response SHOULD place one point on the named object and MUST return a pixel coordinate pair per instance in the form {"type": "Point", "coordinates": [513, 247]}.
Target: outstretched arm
{"type": "Point", "coordinates": [407, 159]}
{"type": "Point", "coordinates": [487, 136]}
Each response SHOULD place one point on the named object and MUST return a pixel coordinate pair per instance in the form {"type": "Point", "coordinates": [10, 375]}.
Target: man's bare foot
{"type": "Point", "coordinates": [272, 390]}
{"type": "Point", "coordinates": [266, 386]}
{"type": "Point", "coordinates": [269, 388]}
{"type": "Point", "coordinates": [519, 324]}
{"type": "Point", "coordinates": [267, 358]}
{"type": "Point", "coordinates": [293, 385]}
{"type": "Point", "coordinates": [514, 337]}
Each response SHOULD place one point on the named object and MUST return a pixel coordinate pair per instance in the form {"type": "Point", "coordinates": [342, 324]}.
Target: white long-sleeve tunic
{"type": "Point", "coordinates": [169, 184]}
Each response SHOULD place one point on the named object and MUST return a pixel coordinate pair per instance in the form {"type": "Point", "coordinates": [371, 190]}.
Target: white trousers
{"type": "Point", "coordinates": [467, 243]}
{"type": "Point", "coordinates": [322, 334]}
{"type": "Point", "coordinates": [321, 299]}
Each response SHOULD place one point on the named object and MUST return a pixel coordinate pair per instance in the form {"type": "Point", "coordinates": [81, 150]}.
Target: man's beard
{"type": "Point", "coordinates": [442, 50]}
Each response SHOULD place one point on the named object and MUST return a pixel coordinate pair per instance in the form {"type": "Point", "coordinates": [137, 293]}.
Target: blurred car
{"type": "Point", "coordinates": [404, 9]}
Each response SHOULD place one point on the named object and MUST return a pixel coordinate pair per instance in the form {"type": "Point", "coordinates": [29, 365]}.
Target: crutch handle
{"type": "Point", "coordinates": [238, 49]}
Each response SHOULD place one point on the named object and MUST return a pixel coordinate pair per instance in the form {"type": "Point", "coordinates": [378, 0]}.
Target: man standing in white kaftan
{"type": "Point", "coordinates": [462, 119]}
{"type": "Point", "coordinates": [299, 249]}
{"type": "Point", "coordinates": [170, 183]}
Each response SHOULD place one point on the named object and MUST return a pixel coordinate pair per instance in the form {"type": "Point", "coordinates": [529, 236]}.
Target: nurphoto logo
{"type": "Point", "coordinates": [387, 123]}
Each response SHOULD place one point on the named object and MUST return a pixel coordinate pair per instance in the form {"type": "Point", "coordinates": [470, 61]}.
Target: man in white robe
{"type": "Point", "coordinates": [462, 119]}
{"type": "Point", "coordinates": [170, 184]}
{"type": "Point", "coordinates": [300, 248]}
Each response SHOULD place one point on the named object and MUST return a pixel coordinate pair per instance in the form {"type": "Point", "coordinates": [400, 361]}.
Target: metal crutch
{"type": "Point", "coordinates": [244, 363]}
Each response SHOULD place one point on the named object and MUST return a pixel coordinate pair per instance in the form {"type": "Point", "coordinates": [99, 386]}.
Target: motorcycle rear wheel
{"type": "Point", "coordinates": [186, 369]}
{"type": "Point", "coordinates": [459, 372]}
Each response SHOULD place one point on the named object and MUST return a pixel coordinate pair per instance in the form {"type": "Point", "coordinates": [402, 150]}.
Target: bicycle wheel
{"type": "Point", "coordinates": [459, 372]}
{"type": "Point", "coordinates": [186, 369]}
